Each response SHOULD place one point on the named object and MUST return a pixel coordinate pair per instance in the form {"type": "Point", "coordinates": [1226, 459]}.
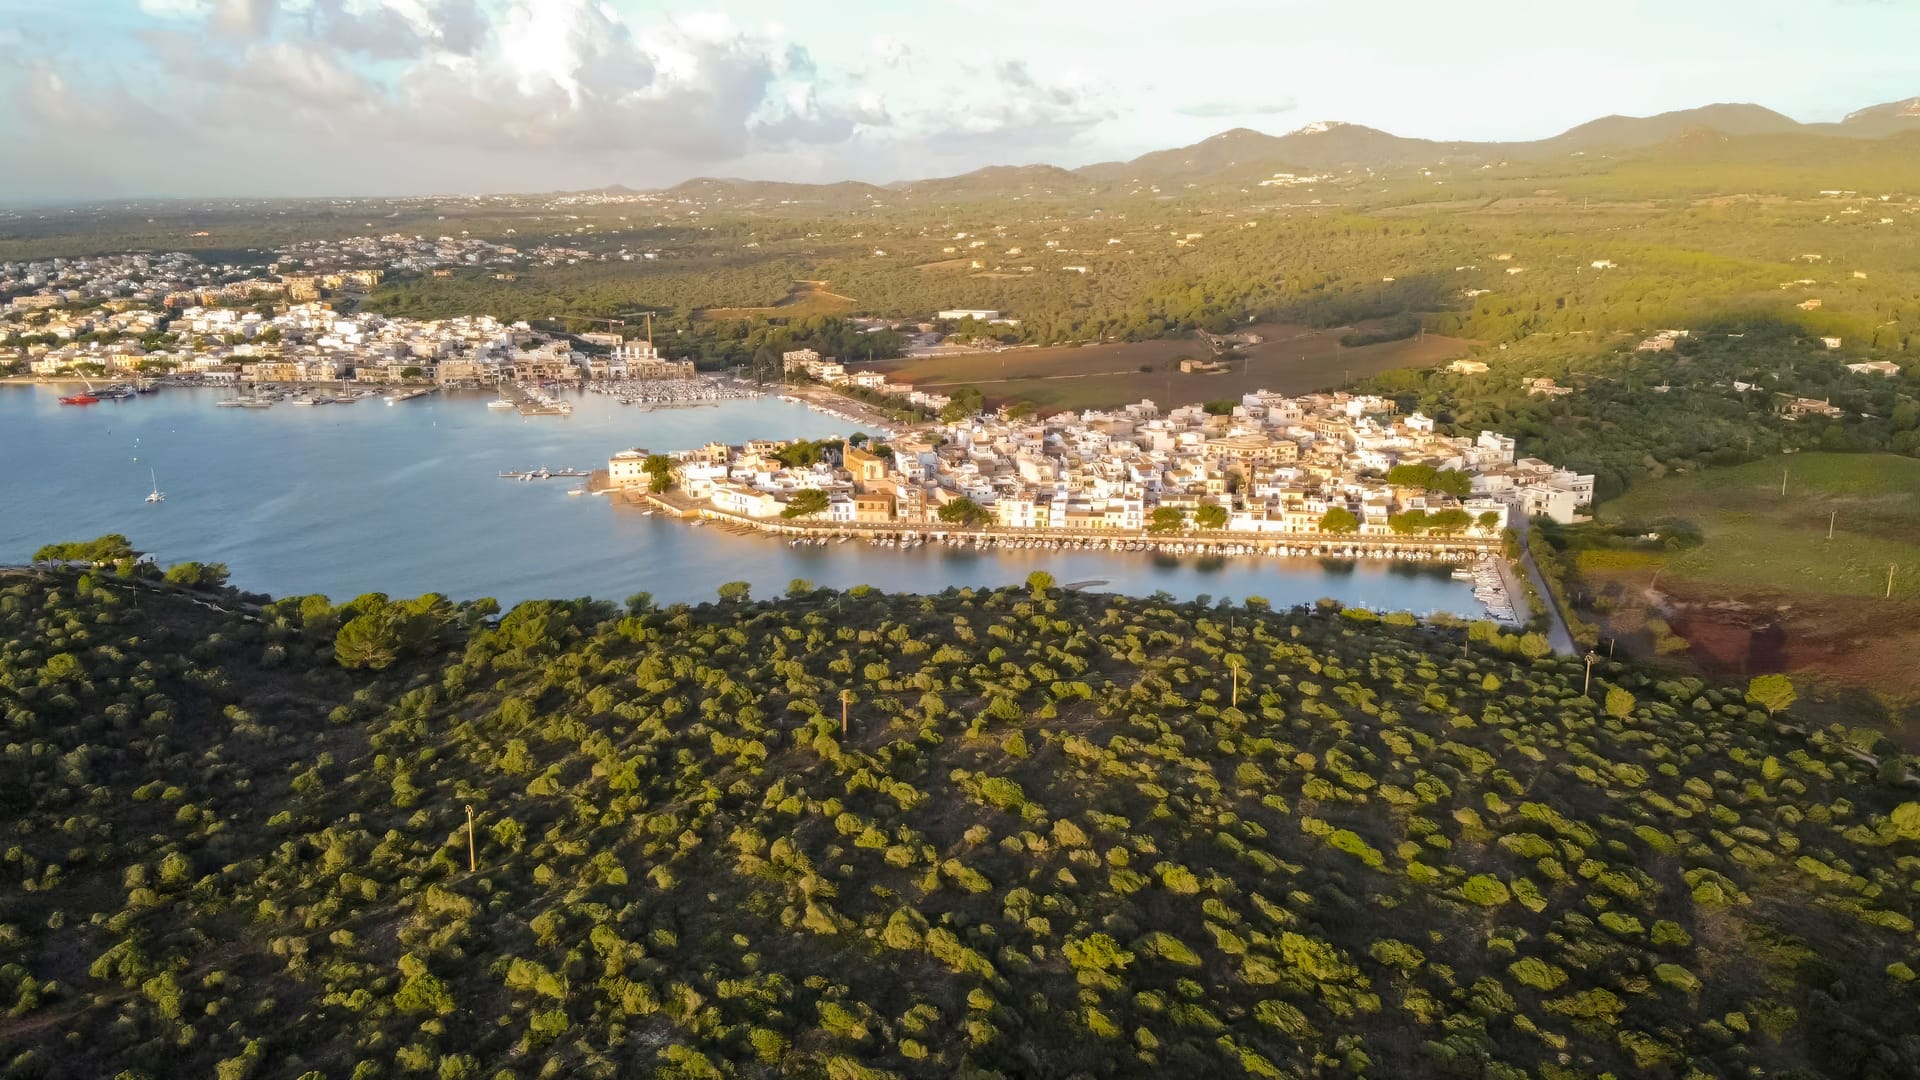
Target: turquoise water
{"type": "Point", "coordinates": [406, 498]}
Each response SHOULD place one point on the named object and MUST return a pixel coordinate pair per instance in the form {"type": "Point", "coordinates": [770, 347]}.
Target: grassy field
{"type": "Point", "coordinates": [1290, 359]}
{"type": "Point", "coordinates": [1768, 591]}
{"type": "Point", "coordinates": [807, 299]}
{"type": "Point", "coordinates": [1758, 539]}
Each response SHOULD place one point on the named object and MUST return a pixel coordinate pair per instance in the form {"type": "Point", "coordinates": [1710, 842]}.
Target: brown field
{"type": "Point", "coordinates": [808, 298]}
{"type": "Point", "coordinates": [1768, 591]}
{"type": "Point", "coordinates": [1291, 359]}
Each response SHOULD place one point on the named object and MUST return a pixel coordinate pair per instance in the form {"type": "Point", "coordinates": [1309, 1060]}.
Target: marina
{"type": "Point", "coordinates": [531, 399]}
{"type": "Point", "coordinates": [697, 392]}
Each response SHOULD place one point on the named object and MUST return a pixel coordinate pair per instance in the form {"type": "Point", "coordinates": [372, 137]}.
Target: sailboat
{"type": "Point", "coordinates": [157, 495]}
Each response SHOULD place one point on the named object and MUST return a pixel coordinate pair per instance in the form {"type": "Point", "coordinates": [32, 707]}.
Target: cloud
{"type": "Point", "coordinates": [1020, 109]}
{"type": "Point", "coordinates": [315, 96]}
{"type": "Point", "coordinates": [890, 50]}
{"type": "Point", "coordinates": [1216, 110]}
{"type": "Point", "coordinates": [244, 18]}
{"type": "Point", "coordinates": [176, 9]}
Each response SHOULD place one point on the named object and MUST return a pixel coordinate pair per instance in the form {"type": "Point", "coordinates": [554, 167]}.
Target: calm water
{"type": "Point", "coordinates": [407, 498]}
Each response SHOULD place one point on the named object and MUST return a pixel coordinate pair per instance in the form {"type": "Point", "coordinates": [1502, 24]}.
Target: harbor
{"type": "Point", "coordinates": [532, 399]}
{"type": "Point", "coordinates": [697, 392]}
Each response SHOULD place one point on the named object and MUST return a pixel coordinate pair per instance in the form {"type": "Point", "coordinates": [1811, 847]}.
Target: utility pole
{"type": "Point", "coordinates": [1783, 483]}
{"type": "Point", "coordinates": [473, 862]}
{"type": "Point", "coordinates": [1891, 567]}
{"type": "Point", "coordinates": [1831, 518]}
{"type": "Point", "coordinates": [1235, 668]}
{"type": "Point", "coordinates": [1592, 658]}
{"type": "Point", "coordinates": [846, 699]}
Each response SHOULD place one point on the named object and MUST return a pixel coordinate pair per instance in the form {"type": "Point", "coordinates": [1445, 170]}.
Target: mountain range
{"type": "Point", "coordinates": [1243, 155]}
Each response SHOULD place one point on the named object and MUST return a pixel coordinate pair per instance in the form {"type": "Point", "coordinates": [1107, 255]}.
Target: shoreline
{"type": "Point", "coordinates": [1480, 556]}
{"type": "Point", "coordinates": [1411, 549]}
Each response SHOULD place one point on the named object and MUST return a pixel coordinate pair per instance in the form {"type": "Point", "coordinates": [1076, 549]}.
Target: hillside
{"type": "Point", "coordinates": [1614, 133]}
{"type": "Point", "coordinates": [1243, 154]}
{"type": "Point", "coordinates": [1060, 835]}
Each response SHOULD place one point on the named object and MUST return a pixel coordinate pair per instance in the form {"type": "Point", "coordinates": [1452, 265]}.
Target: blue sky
{"type": "Point", "coordinates": [116, 98]}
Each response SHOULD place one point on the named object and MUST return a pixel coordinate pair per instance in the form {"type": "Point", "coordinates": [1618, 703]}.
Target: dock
{"type": "Point", "coordinates": [532, 401]}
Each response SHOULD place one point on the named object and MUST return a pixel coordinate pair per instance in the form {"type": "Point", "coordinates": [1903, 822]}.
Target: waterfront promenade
{"type": "Point", "coordinates": [1188, 542]}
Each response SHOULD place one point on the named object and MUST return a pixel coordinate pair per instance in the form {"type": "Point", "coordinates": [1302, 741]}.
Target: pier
{"type": "Point", "coordinates": [531, 400]}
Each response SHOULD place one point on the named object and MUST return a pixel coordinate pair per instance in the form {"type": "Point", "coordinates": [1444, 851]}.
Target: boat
{"type": "Point", "coordinates": [85, 397]}
{"type": "Point", "coordinates": [157, 495]}
{"type": "Point", "coordinates": [499, 403]}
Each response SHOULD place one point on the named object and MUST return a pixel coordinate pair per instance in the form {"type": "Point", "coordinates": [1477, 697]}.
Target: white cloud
{"type": "Point", "coordinates": [176, 9]}
{"type": "Point", "coordinates": [1214, 110]}
{"type": "Point", "coordinates": [405, 95]}
{"type": "Point", "coordinates": [890, 50]}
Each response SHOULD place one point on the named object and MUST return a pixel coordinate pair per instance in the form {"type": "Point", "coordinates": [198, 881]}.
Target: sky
{"type": "Point", "coordinates": [108, 99]}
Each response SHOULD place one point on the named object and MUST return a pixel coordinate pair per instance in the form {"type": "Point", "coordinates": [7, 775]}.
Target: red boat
{"type": "Point", "coordinates": [85, 397]}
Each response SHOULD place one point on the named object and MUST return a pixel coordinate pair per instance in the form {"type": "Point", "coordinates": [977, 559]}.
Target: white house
{"type": "Point", "coordinates": [1875, 367]}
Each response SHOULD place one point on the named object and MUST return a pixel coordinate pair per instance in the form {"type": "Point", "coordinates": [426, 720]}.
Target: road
{"type": "Point", "coordinates": [1557, 634]}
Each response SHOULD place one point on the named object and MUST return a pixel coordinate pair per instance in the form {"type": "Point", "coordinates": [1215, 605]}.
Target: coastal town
{"type": "Point", "coordinates": [1333, 474]}
{"type": "Point", "coordinates": [1338, 467]}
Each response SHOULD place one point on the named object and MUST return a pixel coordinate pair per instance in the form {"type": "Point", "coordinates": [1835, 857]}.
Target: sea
{"type": "Point", "coordinates": [407, 498]}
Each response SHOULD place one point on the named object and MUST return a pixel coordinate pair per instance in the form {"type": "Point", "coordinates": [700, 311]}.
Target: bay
{"type": "Point", "coordinates": [407, 498]}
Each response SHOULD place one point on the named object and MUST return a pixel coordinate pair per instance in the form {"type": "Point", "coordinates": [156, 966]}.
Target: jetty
{"type": "Point", "coordinates": [531, 400]}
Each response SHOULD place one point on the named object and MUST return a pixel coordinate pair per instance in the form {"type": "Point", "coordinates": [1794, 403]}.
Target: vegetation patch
{"type": "Point", "coordinates": [390, 838]}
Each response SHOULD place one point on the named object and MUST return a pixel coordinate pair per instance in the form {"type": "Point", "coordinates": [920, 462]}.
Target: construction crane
{"type": "Point", "coordinates": [611, 323]}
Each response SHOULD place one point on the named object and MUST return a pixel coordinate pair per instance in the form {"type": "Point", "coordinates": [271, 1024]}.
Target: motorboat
{"type": "Point", "coordinates": [85, 397]}
{"type": "Point", "coordinates": [500, 403]}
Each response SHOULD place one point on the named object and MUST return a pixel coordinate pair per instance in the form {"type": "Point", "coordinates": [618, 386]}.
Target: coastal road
{"type": "Point", "coordinates": [1557, 634]}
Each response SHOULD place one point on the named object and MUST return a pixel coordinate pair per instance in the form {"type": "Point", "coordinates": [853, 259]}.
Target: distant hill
{"type": "Point", "coordinates": [1611, 133]}
{"type": "Point", "coordinates": [1245, 152]}
{"type": "Point", "coordinates": [708, 188]}
{"type": "Point", "coordinates": [1879, 120]}
{"type": "Point", "coordinates": [996, 180]}
{"type": "Point", "coordinates": [1243, 155]}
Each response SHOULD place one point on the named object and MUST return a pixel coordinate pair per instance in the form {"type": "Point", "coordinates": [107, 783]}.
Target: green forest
{"type": "Point", "coordinates": [1011, 833]}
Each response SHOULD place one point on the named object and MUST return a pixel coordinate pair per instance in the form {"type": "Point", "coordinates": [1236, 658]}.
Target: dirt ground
{"type": "Point", "coordinates": [1290, 359]}
{"type": "Point", "coordinates": [1860, 641]}
{"type": "Point", "coordinates": [808, 298]}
